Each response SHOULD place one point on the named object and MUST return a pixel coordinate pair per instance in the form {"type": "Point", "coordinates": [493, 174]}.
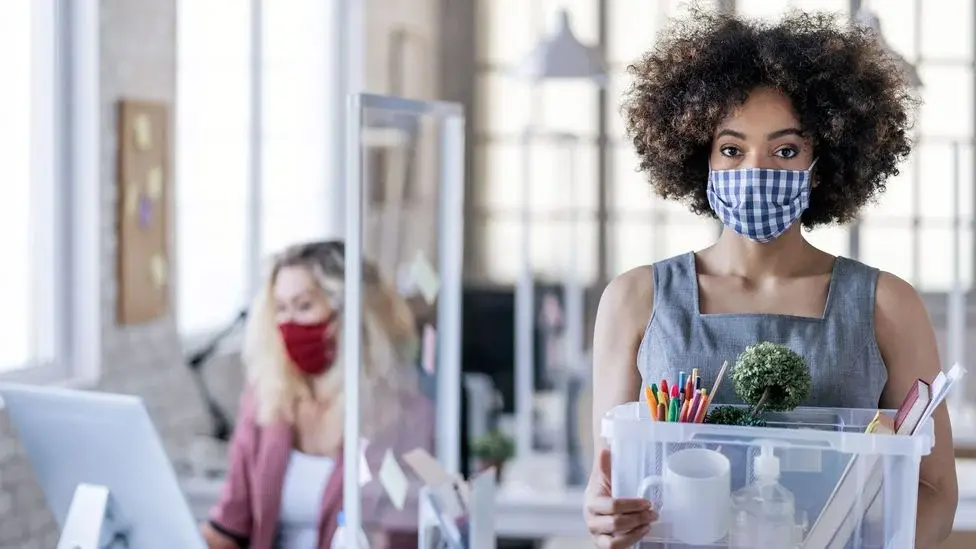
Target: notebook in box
{"type": "Point", "coordinates": [861, 474]}
{"type": "Point", "coordinates": [913, 408]}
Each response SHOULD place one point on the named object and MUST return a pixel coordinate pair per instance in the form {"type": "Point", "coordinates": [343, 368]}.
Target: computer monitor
{"type": "Point", "coordinates": [79, 437]}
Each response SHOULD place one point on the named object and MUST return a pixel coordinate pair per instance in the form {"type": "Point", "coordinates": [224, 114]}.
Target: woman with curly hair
{"type": "Point", "coordinates": [768, 127]}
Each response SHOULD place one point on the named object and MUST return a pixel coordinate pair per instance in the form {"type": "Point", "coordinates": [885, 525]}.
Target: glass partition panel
{"type": "Point", "coordinates": [401, 328]}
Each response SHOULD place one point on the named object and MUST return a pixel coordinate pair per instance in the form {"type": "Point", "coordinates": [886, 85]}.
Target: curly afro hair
{"type": "Point", "coordinates": [851, 98]}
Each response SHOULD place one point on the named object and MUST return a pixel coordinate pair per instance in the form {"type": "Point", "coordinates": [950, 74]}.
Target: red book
{"type": "Point", "coordinates": [913, 407]}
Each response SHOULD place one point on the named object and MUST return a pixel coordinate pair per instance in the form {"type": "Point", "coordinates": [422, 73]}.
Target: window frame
{"type": "Point", "coordinates": [346, 77]}
{"type": "Point", "coordinates": [608, 217]}
{"type": "Point", "coordinates": [71, 59]}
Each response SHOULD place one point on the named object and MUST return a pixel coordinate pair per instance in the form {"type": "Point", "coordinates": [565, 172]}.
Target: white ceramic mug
{"type": "Point", "coordinates": [697, 498]}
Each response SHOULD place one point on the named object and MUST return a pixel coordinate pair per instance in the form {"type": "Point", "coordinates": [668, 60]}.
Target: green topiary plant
{"type": "Point", "coordinates": [493, 448]}
{"type": "Point", "coordinates": [771, 376]}
{"type": "Point", "coordinates": [731, 415]}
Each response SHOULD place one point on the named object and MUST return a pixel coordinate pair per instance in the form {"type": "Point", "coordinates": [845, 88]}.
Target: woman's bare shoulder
{"type": "Point", "coordinates": [628, 299]}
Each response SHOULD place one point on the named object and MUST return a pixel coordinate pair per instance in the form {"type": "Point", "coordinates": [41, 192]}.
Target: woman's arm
{"type": "Point", "coordinates": [231, 516]}
{"type": "Point", "coordinates": [907, 343]}
{"type": "Point", "coordinates": [621, 318]}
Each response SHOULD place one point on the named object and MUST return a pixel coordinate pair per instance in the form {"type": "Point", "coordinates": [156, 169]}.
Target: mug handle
{"type": "Point", "coordinates": [648, 482]}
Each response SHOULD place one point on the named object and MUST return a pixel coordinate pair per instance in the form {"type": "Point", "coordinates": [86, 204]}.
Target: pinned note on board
{"type": "Point", "coordinates": [159, 270]}
{"type": "Point", "coordinates": [142, 132]}
{"type": "Point", "coordinates": [365, 475]}
{"type": "Point", "coordinates": [393, 480]}
{"type": "Point", "coordinates": [424, 277]}
{"type": "Point", "coordinates": [154, 183]}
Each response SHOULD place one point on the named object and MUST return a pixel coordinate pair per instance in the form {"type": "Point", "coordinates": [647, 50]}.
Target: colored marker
{"type": "Point", "coordinates": [702, 407]}
{"type": "Point", "coordinates": [695, 403]}
{"type": "Point", "coordinates": [651, 405]}
{"type": "Point", "coordinates": [673, 412]}
{"type": "Point", "coordinates": [661, 413]}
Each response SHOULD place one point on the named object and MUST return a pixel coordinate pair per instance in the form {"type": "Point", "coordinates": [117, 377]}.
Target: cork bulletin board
{"type": "Point", "coordinates": [143, 183]}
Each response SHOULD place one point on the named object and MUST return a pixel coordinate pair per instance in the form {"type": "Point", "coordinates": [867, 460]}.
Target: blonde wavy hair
{"type": "Point", "coordinates": [389, 343]}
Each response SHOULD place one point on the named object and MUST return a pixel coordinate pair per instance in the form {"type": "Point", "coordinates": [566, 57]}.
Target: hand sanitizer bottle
{"type": "Point", "coordinates": [339, 538]}
{"type": "Point", "coordinates": [764, 511]}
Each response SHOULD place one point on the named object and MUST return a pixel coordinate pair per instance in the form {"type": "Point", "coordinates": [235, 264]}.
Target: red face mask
{"type": "Point", "coordinates": [310, 346]}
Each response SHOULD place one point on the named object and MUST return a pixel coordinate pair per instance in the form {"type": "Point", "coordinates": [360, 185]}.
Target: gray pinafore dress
{"type": "Point", "coordinates": [840, 347]}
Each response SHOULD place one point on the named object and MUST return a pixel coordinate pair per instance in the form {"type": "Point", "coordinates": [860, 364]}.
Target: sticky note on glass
{"type": "Point", "coordinates": [425, 277]}
{"type": "Point", "coordinates": [365, 476]}
{"type": "Point", "coordinates": [393, 480]}
{"type": "Point", "coordinates": [427, 467]}
{"type": "Point", "coordinates": [428, 356]}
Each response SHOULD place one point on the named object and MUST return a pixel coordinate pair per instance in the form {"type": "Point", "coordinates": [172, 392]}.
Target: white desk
{"type": "Point", "coordinates": [522, 513]}
{"type": "Point", "coordinates": [519, 514]}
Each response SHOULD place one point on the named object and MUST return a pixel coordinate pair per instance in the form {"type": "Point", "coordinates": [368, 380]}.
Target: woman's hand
{"type": "Point", "coordinates": [216, 540]}
{"type": "Point", "coordinates": [614, 523]}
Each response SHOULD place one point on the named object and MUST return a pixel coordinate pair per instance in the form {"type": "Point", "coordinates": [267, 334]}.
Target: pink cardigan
{"type": "Point", "coordinates": [250, 502]}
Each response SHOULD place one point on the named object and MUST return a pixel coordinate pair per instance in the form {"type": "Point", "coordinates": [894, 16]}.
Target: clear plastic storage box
{"type": "Point", "coordinates": [851, 490]}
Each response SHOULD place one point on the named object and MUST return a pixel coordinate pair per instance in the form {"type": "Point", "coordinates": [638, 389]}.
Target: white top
{"type": "Point", "coordinates": [301, 500]}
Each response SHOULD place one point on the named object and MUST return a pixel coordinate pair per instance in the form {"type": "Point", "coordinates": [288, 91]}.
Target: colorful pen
{"type": "Point", "coordinates": [681, 383]}
{"type": "Point", "coordinates": [661, 412]}
{"type": "Point", "coordinates": [695, 403]}
{"type": "Point", "coordinates": [651, 406]}
{"type": "Point", "coordinates": [702, 407]}
{"type": "Point", "coordinates": [673, 412]}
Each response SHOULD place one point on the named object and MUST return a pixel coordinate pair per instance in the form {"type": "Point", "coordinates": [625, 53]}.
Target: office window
{"type": "Point", "coordinates": [561, 155]}
{"type": "Point", "coordinates": [213, 128]}
{"type": "Point", "coordinates": [36, 319]}
{"type": "Point", "coordinates": [915, 212]}
{"type": "Point", "coordinates": [225, 228]}
{"type": "Point", "coordinates": [296, 139]}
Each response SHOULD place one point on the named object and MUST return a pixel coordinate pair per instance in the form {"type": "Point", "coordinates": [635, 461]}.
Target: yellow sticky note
{"type": "Point", "coordinates": [393, 480]}
{"type": "Point", "coordinates": [425, 277]}
{"type": "Point", "coordinates": [142, 132]}
{"type": "Point", "coordinates": [154, 183]}
{"type": "Point", "coordinates": [158, 270]}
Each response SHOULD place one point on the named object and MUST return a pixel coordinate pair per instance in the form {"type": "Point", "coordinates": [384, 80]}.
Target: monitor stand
{"type": "Point", "coordinates": [94, 521]}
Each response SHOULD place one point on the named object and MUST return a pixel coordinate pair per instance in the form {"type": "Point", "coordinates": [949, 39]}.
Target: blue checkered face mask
{"type": "Point", "coordinates": [759, 203]}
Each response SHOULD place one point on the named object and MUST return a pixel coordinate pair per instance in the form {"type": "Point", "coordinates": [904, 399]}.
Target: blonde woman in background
{"type": "Point", "coordinates": [284, 483]}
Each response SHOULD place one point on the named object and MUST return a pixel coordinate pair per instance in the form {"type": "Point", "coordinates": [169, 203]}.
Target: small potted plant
{"type": "Point", "coordinates": [766, 376]}
{"type": "Point", "coordinates": [769, 376]}
{"type": "Point", "coordinates": [493, 450]}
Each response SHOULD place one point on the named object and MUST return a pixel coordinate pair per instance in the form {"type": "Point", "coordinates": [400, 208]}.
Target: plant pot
{"type": "Point", "coordinates": [484, 465]}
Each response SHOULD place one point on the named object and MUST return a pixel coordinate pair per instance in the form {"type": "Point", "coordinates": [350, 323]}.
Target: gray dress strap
{"type": "Point", "coordinates": [839, 347]}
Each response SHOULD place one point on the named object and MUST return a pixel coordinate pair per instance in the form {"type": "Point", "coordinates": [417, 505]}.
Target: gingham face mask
{"type": "Point", "coordinates": [759, 203]}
